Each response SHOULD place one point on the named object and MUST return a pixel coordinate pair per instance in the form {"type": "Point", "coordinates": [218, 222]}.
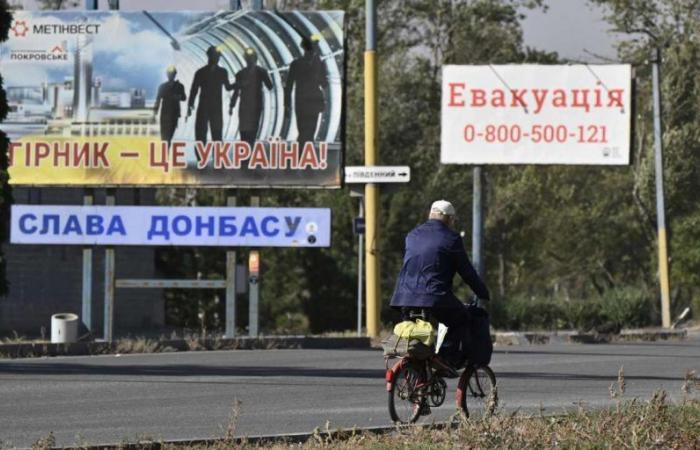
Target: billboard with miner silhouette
{"type": "Point", "coordinates": [220, 99]}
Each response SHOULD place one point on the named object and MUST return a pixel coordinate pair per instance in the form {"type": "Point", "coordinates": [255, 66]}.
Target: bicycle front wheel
{"type": "Point", "coordinates": [477, 386]}
{"type": "Point", "coordinates": [405, 395]}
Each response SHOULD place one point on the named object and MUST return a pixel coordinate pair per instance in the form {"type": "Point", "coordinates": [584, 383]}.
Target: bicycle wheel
{"type": "Point", "coordinates": [406, 395]}
{"type": "Point", "coordinates": [477, 386]}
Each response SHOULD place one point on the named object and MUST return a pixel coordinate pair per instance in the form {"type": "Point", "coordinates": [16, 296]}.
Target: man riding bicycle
{"type": "Point", "coordinates": [434, 253]}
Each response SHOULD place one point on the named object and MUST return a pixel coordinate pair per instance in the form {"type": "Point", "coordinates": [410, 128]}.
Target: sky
{"type": "Point", "coordinates": [573, 28]}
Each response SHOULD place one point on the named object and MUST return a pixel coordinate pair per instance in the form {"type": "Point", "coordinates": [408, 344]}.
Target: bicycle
{"type": "Point", "coordinates": [415, 385]}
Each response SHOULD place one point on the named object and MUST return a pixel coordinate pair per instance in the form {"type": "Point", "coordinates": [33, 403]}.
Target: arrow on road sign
{"type": "Point", "coordinates": [377, 174]}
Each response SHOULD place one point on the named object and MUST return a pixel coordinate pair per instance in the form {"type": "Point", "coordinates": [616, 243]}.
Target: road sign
{"type": "Point", "coordinates": [358, 225]}
{"type": "Point", "coordinates": [377, 174]}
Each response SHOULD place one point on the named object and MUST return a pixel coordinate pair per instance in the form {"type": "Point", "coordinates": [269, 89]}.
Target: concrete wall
{"type": "Point", "coordinates": [46, 279]}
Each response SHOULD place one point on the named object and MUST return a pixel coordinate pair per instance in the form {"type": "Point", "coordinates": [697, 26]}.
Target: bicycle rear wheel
{"type": "Point", "coordinates": [406, 395]}
{"type": "Point", "coordinates": [477, 386]}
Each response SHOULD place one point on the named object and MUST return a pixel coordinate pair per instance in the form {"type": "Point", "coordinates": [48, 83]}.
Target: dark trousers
{"type": "Point", "coordinates": [249, 136]}
{"type": "Point", "coordinates": [306, 124]}
{"type": "Point", "coordinates": [167, 128]}
{"type": "Point", "coordinates": [457, 319]}
{"type": "Point", "coordinates": [214, 122]}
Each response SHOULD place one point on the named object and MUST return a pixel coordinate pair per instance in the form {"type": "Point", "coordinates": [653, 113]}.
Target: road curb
{"type": "Point", "coordinates": [577, 337]}
{"type": "Point", "coordinates": [34, 349]}
{"type": "Point", "coordinates": [286, 438]}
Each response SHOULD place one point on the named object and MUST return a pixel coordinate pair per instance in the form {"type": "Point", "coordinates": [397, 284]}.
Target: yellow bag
{"type": "Point", "coordinates": [420, 330]}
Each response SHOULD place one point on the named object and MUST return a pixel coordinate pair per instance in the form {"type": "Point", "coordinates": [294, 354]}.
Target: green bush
{"type": "Point", "coordinates": [628, 307]}
{"type": "Point", "coordinates": [522, 313]}
{"type": "Point", "coordinates": [625, 307]}
{"type": "Point", "coordinates": [585, 314]}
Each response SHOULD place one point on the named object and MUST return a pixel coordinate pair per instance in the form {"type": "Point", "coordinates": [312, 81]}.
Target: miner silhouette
{"type": "Point", "coordinates": [308, 74]}
{"type": "Point", "coordinates": [209, 80]}
{"type": "Point", "coordinates": [170, 94]}
{"type": "Point", "coordinates": [249, 86]}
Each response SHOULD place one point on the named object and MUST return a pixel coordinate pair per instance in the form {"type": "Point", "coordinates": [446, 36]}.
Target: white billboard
{"type": "Point", "coordinates": [535, 114]}
{"type": "Point", "coordinates": [163, 225]}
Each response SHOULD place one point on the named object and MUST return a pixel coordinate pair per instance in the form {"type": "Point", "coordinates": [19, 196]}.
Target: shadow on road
{"type": "Point", "coordinates": [184, 370]}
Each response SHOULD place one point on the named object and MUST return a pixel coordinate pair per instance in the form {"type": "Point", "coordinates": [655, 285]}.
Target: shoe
{"type": "Point", "coordinates": [424, 410]}
{"type": "Point", "coordinates": [443, 368]}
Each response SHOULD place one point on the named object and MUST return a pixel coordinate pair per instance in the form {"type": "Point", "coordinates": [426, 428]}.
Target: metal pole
{"type": "Point", "coordinates": [109, 280]}
{"type": "Point", "coordinates": [371, 190]}
{"type": "Point", "coordinates": [478, 223]}
{"type": "Point", "coordinates": [88, 199]}
{"type": "Point", "coordinates": [660, 207]}
{"type": "Point", "coordinates": [360, 250]}
{"type": "Point", "coordinates": [254, 290]}
{"type": "Point", "coordinates": [230, 283]}
{"type": "Point", "coordinates": [86, 314]}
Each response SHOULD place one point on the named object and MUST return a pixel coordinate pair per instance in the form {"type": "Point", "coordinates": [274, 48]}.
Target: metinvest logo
{"type": "Point", "coordinates": [20, 28]}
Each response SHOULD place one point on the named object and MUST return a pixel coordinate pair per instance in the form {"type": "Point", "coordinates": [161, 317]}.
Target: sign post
{"type": "Point", "coordinates": [660, 207]}
{"type": "Point", "coordinates": [254, 292]}
{"type": "Point", "coordinates": [230, 281]}
{"type": "Point", "coordinates": [371, 158]}
{"type": "Point", "coordinates": [367, 175]}
{"type": "Point", "coordinates": [360, 230]}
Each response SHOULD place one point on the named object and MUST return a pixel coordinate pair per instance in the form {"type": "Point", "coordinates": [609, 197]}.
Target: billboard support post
{"type": "Point", "coordinates": [660, 207]}
{"type": "Point", "coordinates": [230, 282]}
{"type": "Point", "coordinates": [478, 221]}
{"type": "Point", "coordinates": [109, 279]}
{"type": "Point", "coordinates": [86, 313]}
{"type": "Point", "coordinates": [254, 288]}
{"type": "Point", "coordinates": [371, 157]}
{"type": "Point", "coordinates": [360, 249]}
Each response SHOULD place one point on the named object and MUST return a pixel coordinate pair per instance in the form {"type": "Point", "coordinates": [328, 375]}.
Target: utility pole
{"type": "Point", "coordinates": [478, 221]}
{"type": "Point", "coordinates": [371, 157]}
{"type": "Point", "coordinates": [660, 207]}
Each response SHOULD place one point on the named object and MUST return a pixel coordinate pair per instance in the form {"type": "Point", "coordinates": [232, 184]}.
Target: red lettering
{"type": "Point", "coordinates": [478, 97]}
{"type": "Point", "coordinates": [41, 151]}
{"type": "Point", "coordinates": [559, 100]}
{"type": "Point", "coordinates": [203, 153]}
{"type": "Point", "coordinates": [81, 155]}
{"type": "Point", "coordinates": [241, 152]}
{"type": "Point", "coordinates": [499, 98]}
{"type": "Point", "coordinates": [615, 97]}
{"type": "Point", "coordinates": [259, 158]}
{"type": "Point", "coordinates": [178, 149]}
{"type": "Point", "coordinates": [11, 153]}
{"type": "Point", "coordinates": [518, 99]}
{"type": "Point", "coordinates": [61, 152]}
{"type": "Point", "coordinates": [454, 94]}
{"type": "Point", "coordinates": [221, 158]}
{"type": "Point", "coordinates": [99, 158]}
{"type": "Point", "coordinates": [540, 96]}
{"type": "Point", "coordinates": [308, 157]}
{"type": "Point", "coordinates": [288, 155]}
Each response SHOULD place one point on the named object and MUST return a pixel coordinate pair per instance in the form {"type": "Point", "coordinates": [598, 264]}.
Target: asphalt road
{"type": "Point", "coordinates": [107, 399]}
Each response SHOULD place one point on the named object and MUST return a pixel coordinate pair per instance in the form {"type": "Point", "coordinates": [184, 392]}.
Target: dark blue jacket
{"type": "Point", "coordinates": [434, 253]}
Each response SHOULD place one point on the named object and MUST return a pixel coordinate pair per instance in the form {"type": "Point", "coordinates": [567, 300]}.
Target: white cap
{"type": "Point", "coordinates": [443, 207]}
